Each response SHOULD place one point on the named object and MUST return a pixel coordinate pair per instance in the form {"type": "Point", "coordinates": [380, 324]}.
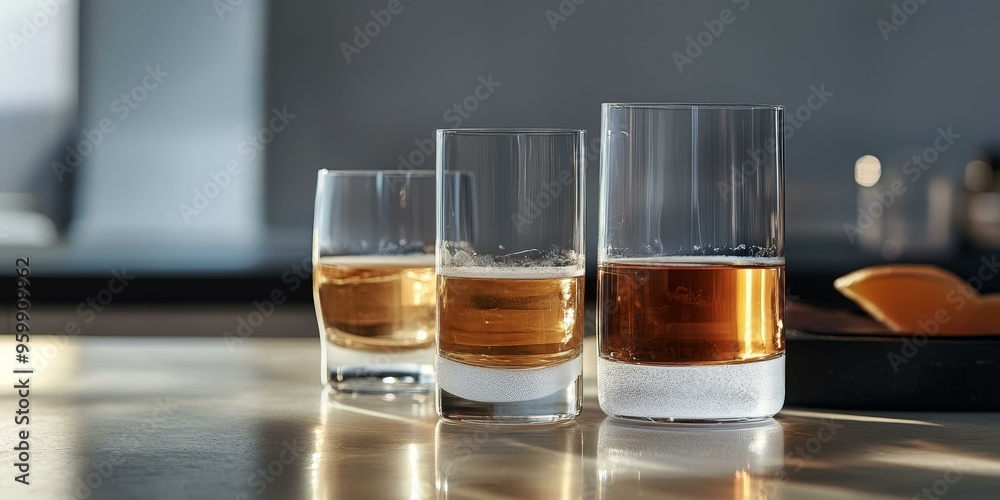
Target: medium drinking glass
{"type": "Point", "coordinates": [691, 262]}
{"type": "Point", "coordinates": [510, 263]}
{"type": "Point", "coordinates": [373, 279]}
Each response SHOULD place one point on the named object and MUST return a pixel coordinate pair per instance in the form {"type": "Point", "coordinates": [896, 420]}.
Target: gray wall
{"type": "Point", "coordinates": [889, 96]}
{"type": "Point", "coordinates": [228, 73]}
{"type": "Point", "coordinates": [193, 83]}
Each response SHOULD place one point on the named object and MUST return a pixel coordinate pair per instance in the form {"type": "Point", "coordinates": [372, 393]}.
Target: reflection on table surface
{"type": "Point", "coordinates": [200, 418]}
{"type": "Point", "coordinates": [689, 460]}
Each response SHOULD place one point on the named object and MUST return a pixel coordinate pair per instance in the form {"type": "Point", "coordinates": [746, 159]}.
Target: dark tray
{"type": "Point", "coordinates": [852, 363]}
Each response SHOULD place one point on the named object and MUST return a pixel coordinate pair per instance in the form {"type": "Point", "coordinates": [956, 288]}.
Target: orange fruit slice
{"type": "Point", "coordinates": [920, 298]}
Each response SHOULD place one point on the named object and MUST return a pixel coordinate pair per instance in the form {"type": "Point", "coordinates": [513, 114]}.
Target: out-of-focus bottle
{"type": "Point", "coordinates": [904, 210]}
{"type": "Point", "coordinates": [980, 206]}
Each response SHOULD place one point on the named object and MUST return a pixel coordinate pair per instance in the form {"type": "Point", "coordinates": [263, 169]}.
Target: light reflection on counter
{"type": "Point", "coordinates": [636, 459]}
{"type": "Point", "coordinates": [57, 449]}
{"type": "Point", "coordinates": [480, 460]}
{"type": "Point", "coordinates": [402, 468]}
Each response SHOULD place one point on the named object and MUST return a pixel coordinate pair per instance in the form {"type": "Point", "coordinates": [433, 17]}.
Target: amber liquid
{"type": "Point", "coordinates": [510, 322]}
{"type": "Point", "coordinates": [376, 302]}
{"type": "Point", "coordinates": [677, 312]}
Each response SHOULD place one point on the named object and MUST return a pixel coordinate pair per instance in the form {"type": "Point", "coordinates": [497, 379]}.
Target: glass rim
{"type": "Point", "coordinates": [511, 131]}
{"type": "Point", "coordinates": [692, 106]}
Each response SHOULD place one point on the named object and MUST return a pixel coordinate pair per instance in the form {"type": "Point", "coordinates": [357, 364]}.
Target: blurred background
{"type": "Point", "coordinates": [178, 141]}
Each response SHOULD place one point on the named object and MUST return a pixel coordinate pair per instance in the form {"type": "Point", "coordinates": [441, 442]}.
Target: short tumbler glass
{"type": "Point", "coordinates": [691, 262]}
{"type": "Point", "coordinates": [373, 280]}
{"type": "Point", "coordinates": [510, 262]}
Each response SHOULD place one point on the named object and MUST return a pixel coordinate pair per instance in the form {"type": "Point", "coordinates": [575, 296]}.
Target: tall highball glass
{"type": "Point", "coordinates": [691, 262]}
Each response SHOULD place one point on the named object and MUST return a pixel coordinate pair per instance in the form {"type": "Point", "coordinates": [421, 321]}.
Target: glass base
{"type": "Point", "coordinates": [743, 392]}
{"type": "Point", "coordinates": [509, 395]}
{"type": "Point", "coordinates": [391, 371]}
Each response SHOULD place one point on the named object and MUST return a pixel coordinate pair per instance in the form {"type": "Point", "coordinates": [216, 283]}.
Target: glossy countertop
{"type": "Point", "coordinates": [207, 418]}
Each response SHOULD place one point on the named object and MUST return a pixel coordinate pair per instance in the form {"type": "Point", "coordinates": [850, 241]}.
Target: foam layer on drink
{"type": "Point", "coordinates": [700, 260]}
{"type": "Point", "coordinates": [505, 385]}
{"type": "Point", "coordinates": [512, 273]}
{"type": "Point", "coordinates": [379, 261]}
{"type": "Point", "coordinates": [692, 392]}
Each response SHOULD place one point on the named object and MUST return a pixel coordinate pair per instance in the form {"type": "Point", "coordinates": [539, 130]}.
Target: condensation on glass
{"type": "Point", "coordinates": [691, 262]}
